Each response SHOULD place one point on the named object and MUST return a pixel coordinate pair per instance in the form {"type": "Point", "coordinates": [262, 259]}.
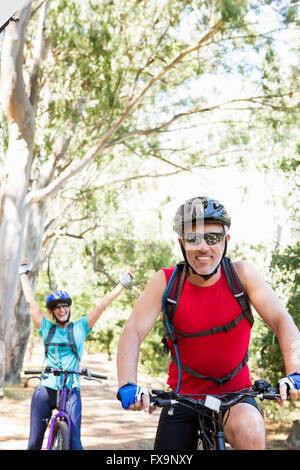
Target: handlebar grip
{"type": "Point", "coordinates": [155, 401]}
{"type": "Point", "coordinates": [271, 396]}
{"type": "Point", "coordinates": [30, 372]}
{"type": "Point", "coordinates": [97, 376]}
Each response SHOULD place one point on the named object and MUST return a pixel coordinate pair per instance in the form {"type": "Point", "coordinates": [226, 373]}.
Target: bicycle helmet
{"type": "Point", "coordinates": [197, 209]}
{"type": "Point", "coordinates": [57, 297]}
{"type": "Point", "coordinates": [204, 209]}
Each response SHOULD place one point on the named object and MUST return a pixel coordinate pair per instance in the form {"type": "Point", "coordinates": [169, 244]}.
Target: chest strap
{"type": "Point", "coordinates": [172, 301]}
{"type": "Point", "coordinates": [218, 381]}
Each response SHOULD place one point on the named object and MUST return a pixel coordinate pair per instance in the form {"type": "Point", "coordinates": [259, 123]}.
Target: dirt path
{"type": "Point", "coordinates": [105, 425]}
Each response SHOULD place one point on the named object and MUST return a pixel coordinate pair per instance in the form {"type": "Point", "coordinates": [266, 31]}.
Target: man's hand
{"type": "Point", "coordinates": [290, 385]}
{"type": "Point", "coordinates": [134, 398]}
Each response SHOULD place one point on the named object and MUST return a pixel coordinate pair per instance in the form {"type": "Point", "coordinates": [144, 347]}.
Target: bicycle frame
{"type": "Point", "coordinates": [214, 434]}
{"type": "Point", "coordinates": [62, 414]}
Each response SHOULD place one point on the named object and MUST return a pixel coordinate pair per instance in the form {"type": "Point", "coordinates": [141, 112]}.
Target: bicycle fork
{"type": "Point", "coordinates": [62, 415]}
{"type": "Point", "coordinates": [212, 435]}
{"type": "Point", "coordinates": [219, 435]}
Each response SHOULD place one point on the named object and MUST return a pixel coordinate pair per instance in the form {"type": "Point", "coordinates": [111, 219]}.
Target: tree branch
{"type": "Point", "coordinates": [81, 235]}
{"type": "Point", "coordinates": [152, 57]}
{"type": "Point", "coordinates": [37, 55]}
{"type": "Point", "coordinates": [74, 169]}
{"type": "Point", "coordinates": [132, 102]}
{"type": "Point", "coordinates": [166, 124]}
{"type": "Point", "coordinates": [16, 103]}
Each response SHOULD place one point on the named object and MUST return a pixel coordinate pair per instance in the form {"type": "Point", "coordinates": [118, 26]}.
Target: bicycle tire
{"type": "Point", "coordinates": [60, 439]}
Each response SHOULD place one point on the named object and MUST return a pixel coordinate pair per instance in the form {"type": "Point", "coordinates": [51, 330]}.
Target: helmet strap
{"type": "Point", "coordinates": [204, 276]}
{"type": "Point", "coordinates": [62, 322]}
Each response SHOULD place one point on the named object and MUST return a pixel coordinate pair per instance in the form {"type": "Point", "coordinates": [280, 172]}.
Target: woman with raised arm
{"type": "Point", "coordinates": [64, 342]}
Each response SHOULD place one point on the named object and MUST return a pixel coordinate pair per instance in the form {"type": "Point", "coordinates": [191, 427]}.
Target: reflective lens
{"type": "Point", "coordinates": [59, 306]}
{"type": "Point", "coordinates": [211, 238]}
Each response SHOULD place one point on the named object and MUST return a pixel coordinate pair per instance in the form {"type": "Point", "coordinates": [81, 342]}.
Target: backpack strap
{"type": "Point", "coordinates": [212, 331]}
{"type": "Point", "coordinates": [170, 302]}
{"type": "Point", "coordinates": [72, 341]}
{"type": "Point", "coordinates": [173, 290]}
{"type": "Point", "coordinates": [237, 289]}
{"type": "Point", "coordinates": [49, 337]}
{"type": "Point", "coordinates": [172, 295]}
{"type": "Point", "coordinates": [218, 381]}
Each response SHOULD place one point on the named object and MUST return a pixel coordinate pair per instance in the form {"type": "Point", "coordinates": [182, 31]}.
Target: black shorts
{"type": "Point", "coordinates": [180, 430]}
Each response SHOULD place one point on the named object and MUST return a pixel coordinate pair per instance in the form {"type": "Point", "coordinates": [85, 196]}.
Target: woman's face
{"type": "Point", "coordinates": [61, 313]}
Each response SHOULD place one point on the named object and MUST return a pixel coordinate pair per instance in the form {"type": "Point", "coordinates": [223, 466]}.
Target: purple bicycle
{"type": "Point", "coordinates": [60, 424]}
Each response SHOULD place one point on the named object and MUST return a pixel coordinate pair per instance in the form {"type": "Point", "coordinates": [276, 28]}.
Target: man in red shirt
{"type": "Point", "coordinates": [213, 331]}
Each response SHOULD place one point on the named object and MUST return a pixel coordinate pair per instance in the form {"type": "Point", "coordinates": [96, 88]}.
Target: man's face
{"type": "Point", "coordinates": [201, 255]}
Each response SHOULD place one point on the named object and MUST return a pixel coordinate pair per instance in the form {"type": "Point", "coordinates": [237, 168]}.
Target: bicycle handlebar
{"type": "Point", "coordinates": [260, 390]}
{"type": "Point", "coordinates": [56, 371]}
{"type": "Point", "coordinates": [32, 372]}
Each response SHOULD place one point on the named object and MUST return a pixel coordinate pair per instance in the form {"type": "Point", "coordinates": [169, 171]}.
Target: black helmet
{"type": "Point", "coordinates": [200, 208]}
{"type": "Point", "coordinates": [58, 297]}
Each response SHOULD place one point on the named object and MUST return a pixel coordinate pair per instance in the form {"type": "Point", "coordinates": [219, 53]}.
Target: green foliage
{"type": "Point", "coordinates": [4, 136]}
{"type": "Point", "coordinates": [152, 357]}
{"type": "Point", "coordinates": [103, 54]}
{"type": "Point", "coordinates": [233, 11]}
{"type": "Point", "coordinates": [290, 164]}
{"type": "Point", "coordinates": [90, 269]}
{"type": "Point", "coordinates": [286, 282]}
{"type": "Point", "coordinates": [281, 270]}
{"type": "Point", "coordinates": [110, 255]}
{"type": "Point", "coordinates": [145, 258]}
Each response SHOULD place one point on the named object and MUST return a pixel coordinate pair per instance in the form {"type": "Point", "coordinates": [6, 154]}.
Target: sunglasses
{"type": "Point", "coordinates": [59, 306]}
{"type": "Point", "coordinates": [211, 238]}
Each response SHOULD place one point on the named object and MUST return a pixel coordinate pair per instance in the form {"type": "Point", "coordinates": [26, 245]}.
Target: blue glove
{"type": "Point", "coordinates": [131, 393]}
{"type": "Point", "coordinates": [292, 381]}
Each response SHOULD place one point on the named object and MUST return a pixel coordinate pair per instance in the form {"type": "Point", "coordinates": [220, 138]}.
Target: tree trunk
{"type": "Point", "coordinates": [18, 164]}
{"type": "Point", "coordinates": [22, 321]}
{"type": "Point", "coordinates": [18, 342]}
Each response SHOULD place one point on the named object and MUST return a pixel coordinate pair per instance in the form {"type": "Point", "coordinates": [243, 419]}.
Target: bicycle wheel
{"type": "Point", "coordinates": [60, 439]}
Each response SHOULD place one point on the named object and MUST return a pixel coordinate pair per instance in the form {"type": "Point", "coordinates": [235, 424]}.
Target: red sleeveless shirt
{"type": "Point", "coordinates": [203, 308]}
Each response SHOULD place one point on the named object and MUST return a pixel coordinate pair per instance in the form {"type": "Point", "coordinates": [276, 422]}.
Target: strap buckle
{"type": "Point", "coordinates": [172, 337]}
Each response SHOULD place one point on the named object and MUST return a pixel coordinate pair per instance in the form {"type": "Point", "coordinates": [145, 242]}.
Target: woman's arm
{"type": "Point", "coordinates": [96, 313]}
{"type": "Point", "coordinates": [34, 309]}
{"type": "Point", "coordinates": [140, 323]}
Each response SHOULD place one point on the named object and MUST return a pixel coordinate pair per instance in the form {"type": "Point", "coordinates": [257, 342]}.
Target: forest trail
{"type": "Point", "coordinates": [105, 425]}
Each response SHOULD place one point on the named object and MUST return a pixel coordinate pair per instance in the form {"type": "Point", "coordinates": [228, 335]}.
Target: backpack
{"type": "Point", "coordinates": [170, 303]}
{"type": "Point", "coordinates": [71, 342]}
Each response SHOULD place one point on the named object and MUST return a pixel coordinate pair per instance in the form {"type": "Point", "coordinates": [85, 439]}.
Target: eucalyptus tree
{"type": "Point", "coordinates": [96, 83]}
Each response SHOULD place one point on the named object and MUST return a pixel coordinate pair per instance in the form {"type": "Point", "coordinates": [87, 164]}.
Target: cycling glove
{"type": "Point", "coordinates": [131, 393]}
